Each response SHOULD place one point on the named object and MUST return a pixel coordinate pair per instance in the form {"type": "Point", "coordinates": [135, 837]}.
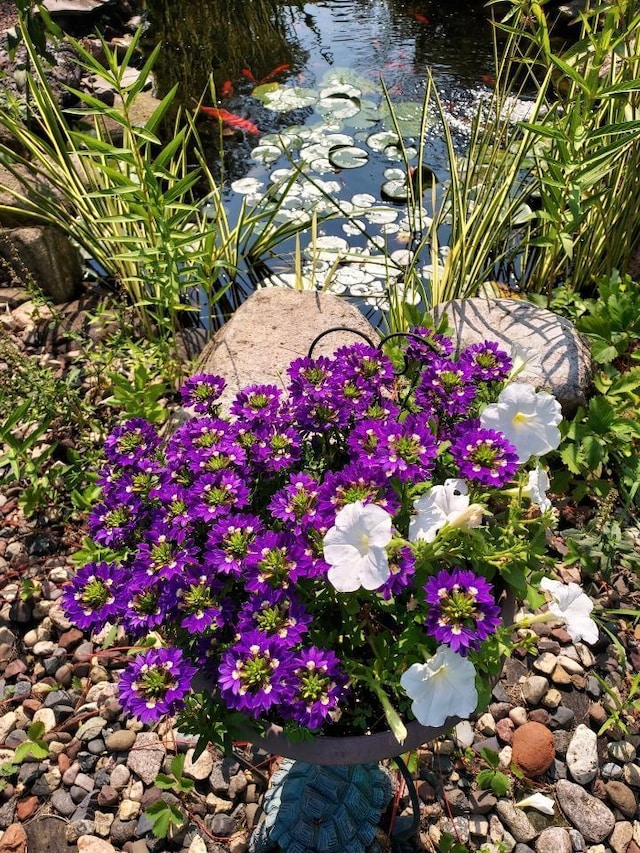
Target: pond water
{"type": "Point", "coordinates": [302, 115]}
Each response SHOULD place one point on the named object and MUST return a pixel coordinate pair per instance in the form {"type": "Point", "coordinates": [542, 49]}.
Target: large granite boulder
{"type": "Point", "coordinates": [565, 355]}
{"type": "Point", "coordinates": [271, 329]}
{"type": "Point", "coordinates": [42, 255]}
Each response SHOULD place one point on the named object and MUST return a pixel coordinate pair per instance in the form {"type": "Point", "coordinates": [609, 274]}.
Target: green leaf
{"type": "Point", "coordinates": [490, 756]}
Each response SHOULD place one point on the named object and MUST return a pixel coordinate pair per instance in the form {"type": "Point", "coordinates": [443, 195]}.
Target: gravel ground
{"type": "Point", "coordinates": [89, 789]}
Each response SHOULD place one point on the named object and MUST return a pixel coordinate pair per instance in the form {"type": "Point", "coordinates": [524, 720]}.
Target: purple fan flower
{"type": "Point", "coordinates": [276, 449]}
{"type": "Point", "coordinates": [271, 562]}
{"type": "Point", "coordinates": [462, 609]}
{"type": "Point", "coordinates": [366, 362]}
{"type": "Point", "coordinates": [257, 402]}
{"type": "Point", "coordinates": [155, 684]}
{"type": "Point", "coordinates": [129, 443]}
{"type": "Point", "coordinates": [275, 613]}
{"type": "Point", "coordinates": [145, 606]}
{"type": "Point", "coordinates": [353, 484]}
{"type": "Point", "coordinates": [296, 502]}
{"type": "Point", "coordinates": [484, 456]}
{"type": "Point", "coordinates": [164, 556]}
{"type": "Point", "coordinates": [447, 387]}
{"type": "Point", "coordinates": [255, 674]}
{"type": "Point", "coordinates": [94, 596]}
{"type": "Point", "coordinates": [214, 495]}
{"type": "Point", "coordinates": [320, 683]}
{"type": "Point", "coordinates": [229, 542]}
{"type": "Point", "coordinates": [202, 392]}
{"type": "Point", "coordinates": [406, 449]}
{"type": "Point", "coordinates": [488, 363]}
{"type": "Point", "coordinates": [432, 345]}
{"type": "Point", "coordinates": [115, 525]}
{"type": "Point", "coordinates": [402, 565]}
{"type": "Point", "coordinates": [308, 375]}
{"type": "Point", "coordinates": [198, 605]}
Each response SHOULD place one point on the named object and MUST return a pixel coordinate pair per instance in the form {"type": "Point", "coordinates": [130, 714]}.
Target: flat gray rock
{"type": "Point", "coordinates": [585, 812]}
{"type": "Point", "coordinates": [566, 359]}
{"type": "Point", "coordinates": [274, 327]}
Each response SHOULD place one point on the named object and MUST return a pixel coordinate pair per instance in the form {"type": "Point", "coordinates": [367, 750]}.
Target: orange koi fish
{"type": "Point", "coordinates": [246, 72]}
{"type": "Point", "coordinates": [489, 79]}
{"type": "Point", "coordinates": [278, 70]}
{"type": "Point", "coordinates": [420, 18]}
{"type": "Point", "coordinates": [226, 90]}
{"type": "Point", "coordinates": [230, 119]}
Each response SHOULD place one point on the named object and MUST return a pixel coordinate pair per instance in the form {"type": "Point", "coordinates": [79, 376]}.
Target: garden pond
{"type": "Point", "coordinates": [300, 107]}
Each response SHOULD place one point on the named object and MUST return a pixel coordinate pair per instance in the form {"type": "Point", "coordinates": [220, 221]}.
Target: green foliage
{"type": "Point", "coordinates": [449, 844]}
{"type": "Point", "coordinates": [34, 747]}
{"type": "Point", "coordinates": [586, 157]}
{"type": "Point", "coordinates": [138, 395]}
{"type": "Point", "coordinates": [45, 429]}
{"type": "Point", "coordinates": [165, 818]}
{"type": "Point", "coordinates": [492, 777]}
{"type": "Point", "coordinates": [621, 710]}
{"type": "Point", "coordinates": [148, 211]}
{"type": "Point", "coordinates": [600, 442]}
{"type": "Point", "coordinates": [176, 781]}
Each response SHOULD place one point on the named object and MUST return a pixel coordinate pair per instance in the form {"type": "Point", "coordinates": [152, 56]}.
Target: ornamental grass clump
{"type": "Point", "coordinates": [330, 557]}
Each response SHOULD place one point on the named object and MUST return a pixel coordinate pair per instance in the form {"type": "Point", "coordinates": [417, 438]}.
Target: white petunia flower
{"type": "Point", "coordinates": [573, 606]}
{"type": "Point", "coordinates": [442, 687]}
{"type": "Point", "coordinates": [526, 362]}
{"type": "Point", "coordinates": [538, 802]}
{"type": "Point", "coordinates": [447, 504]}
{"type": "Point", "coordinates": [527, 418]}
{"type": "Point", "coordinates": [355, 547]}
{"type": "Point", "coordinates": [536, 489]}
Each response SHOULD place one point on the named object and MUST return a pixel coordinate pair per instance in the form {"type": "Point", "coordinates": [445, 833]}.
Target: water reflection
{"type": "Point", "coordinates": [235, 39]}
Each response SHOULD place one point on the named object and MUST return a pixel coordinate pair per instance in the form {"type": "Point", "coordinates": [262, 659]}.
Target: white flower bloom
{"type": "Point", "coordinates": [538, 802]}
{"type": "Point", "coordinates": [573, 606]}
{"type": "Point", "coordinates": [527, 418]}
{"type": "Point", "coordinates": [442, 687]}
{"type": "Point", "coordinates": [355, 547]}
{"type": "Point", "coordinates": [536, 489]}
{"type": "Point", "coordinates": [526, 362]}
{"type": "Point", "coordinates": [447, 504]}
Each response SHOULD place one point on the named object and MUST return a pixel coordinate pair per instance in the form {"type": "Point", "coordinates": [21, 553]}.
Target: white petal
{"type": "Point", "coordinates": [442, 687]}
{"type": "Point", "coordinates": [538, 802]}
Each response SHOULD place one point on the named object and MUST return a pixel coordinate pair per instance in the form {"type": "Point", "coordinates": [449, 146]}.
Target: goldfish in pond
{"type": "Point", "coordinates": [246, 72]}
{"type": "Point", "coordinates": [226, 90]}
{"type": "Point", "coordinates": [230, 119]}
{"type": "Point", "coordinates": [278, 70]}
{"type": "Point", "coordinates": [420, 18]}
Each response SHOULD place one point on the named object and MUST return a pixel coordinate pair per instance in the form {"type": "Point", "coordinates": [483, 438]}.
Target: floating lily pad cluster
{"type": "Point", "coordinates": [306, 169]}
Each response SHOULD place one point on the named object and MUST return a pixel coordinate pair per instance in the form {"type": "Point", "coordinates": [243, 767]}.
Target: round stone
{"type": "Point", "coordinates": [533, 749]}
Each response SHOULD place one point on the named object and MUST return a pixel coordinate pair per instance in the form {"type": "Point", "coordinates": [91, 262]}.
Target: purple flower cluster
{"type": "Point", "coordinates": [219, 528]}
{"type": "Point", "coordinates": [462, 609]}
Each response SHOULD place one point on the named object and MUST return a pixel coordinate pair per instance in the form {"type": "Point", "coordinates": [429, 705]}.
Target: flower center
{"type": "Point", "coordinates": [154, 683]}
{"type": "Point", "coordinates": [255, 673]}
{"type": "Point", "coordinates": [95, 594]}
{"type": "Point", "coordinates": [459, 608]}
{"type": "Point", "coordinates": [521, 418]}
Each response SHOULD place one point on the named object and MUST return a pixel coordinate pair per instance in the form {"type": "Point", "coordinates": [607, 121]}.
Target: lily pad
{"type": "Point", "coordinates": [343, 77]}
{"type": "Point", "coordinates": [282, 99]}
{"type": "Point", "coordinates": [338, 106]}
{"type": "Point", "coordinates": [395, 190]}
{"type": "Point", "coordinates": [363, 199]}
{"type": "Point", "coordinates": [381, 215]}
{"type": "Point", "coordinates": [246, 186]}
{"type": "Point", "coordinates": [327, 247]}
{"type": "Point", "coordinates": [347, 156]}
{"type": "Point", "coordinates": [266, 153]}
{"type": "Point", "coordinates": [382, 139]}
{"type": "Point", "coordinates": [408, 117]}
